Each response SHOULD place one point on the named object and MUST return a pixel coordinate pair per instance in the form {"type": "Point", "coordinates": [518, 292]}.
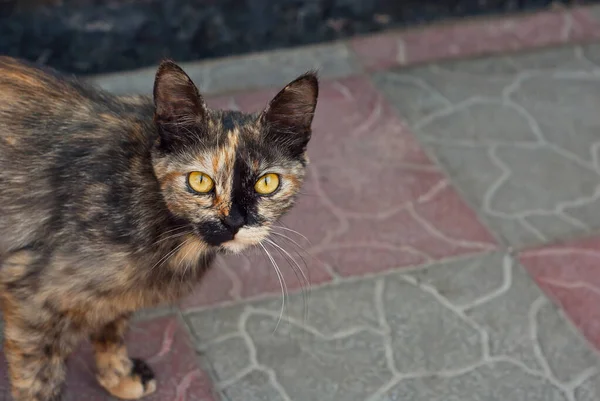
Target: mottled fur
{"type": "Point", "coordinates": [97, 219]}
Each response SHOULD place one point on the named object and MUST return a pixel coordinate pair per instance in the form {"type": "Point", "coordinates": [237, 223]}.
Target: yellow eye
{"type": "Point", "coordinates": [267, 184]}
{"type": "Point", "coordinates": [200, 182]}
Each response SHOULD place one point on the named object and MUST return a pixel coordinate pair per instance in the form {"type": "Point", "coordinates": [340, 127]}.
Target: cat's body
{"type": "Point", "coordinates": [112, 204]}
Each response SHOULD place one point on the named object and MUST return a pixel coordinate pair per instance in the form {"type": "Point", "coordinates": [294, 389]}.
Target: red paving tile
{"type": "Point", "coordinates": [480, 37]}
{"type": "Point", "coordinates": [163, 344]}
{"type": "Point", "coordinates": [372, 201]}
{"type": "Point", "coordinates": [570, 274]}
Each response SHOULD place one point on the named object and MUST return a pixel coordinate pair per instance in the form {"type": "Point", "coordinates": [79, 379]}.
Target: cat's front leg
{"type": "Point", "coordinates": [36, 364]}
{"type": "Point", "coordinates": [124, 377]}
{"type": "Point", "coordinates": [37, 340]}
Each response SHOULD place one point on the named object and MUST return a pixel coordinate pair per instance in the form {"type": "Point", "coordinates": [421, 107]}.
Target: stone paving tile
{"type": "Point", "coordinates": [373, 201]}
{"type": "Point", "coordinates": [163, 343]}
{"type": "Point", "coordinates": [473, 328]}
{"type": "Point", "coordinates": [589, 390]}
{"type": "Point", "coordinates": [517, 134]}
{"type": "Point", "coordinates": [476, 38]}
{"type": "Point", "coordinates": [569, 274]}
{"type": "Point", "coordinates": [259, 70]}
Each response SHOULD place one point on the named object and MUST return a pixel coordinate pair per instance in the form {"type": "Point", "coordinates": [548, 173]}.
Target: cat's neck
{"type": "Point", "coordinates": [154, 235]}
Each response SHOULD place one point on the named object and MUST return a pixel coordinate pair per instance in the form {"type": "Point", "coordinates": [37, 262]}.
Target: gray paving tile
{"type": "Point", "coordinates": [215, 324]}
{"type": "Point", "coordinates": [471, 329]}
{"type": "Point", "coordinates": [465, 281]}
{"type": "Point", "coordinates": [518, 135]}
{"type": "Point", "coordinates": [589, 390]}
{"type": "Point", "coordinates": [310, 366]}
{"type": "Point", "coordinates": [256, 386]}
{"type": "Point", "coordinates": [591, 52]}
{"type": "Point", "coordinates": [516, 324]}
{"type": "Point", "coordinates": [594, 11]}
{"type": "Point", "coordinates": [323, 311]}
{"type": "Point", "coordinates": [270, 69]}
{"type": "Point", "coordinates": [415, 340]}
{"type": "Point", "coordinates": [495, 382]}
{"type": "Point", "coordinates": [229, 357]}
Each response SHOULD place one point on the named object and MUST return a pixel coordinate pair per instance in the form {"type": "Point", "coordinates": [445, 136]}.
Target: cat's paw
{"type": "Point", "coordinates": [139, 383]}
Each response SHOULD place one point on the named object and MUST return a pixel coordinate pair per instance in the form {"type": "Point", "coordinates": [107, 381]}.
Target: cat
{"type": "Point", "coordinates": [109, 204]}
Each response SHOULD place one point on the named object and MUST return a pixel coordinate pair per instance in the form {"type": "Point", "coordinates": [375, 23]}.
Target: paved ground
{"type": "Point", "coordinates": [452, 209]}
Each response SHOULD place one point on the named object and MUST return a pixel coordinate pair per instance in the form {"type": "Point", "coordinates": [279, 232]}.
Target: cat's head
{"type": "Point", "coordinates": [226, 174]}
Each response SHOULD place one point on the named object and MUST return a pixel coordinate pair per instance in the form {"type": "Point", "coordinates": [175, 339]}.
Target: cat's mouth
{"type": "Point", "coordinates": [225, 240]}
{"type": "Point", "coordinates": [245, 238]}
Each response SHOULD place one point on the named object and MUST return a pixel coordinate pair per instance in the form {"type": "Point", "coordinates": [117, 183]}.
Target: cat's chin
{"type": "Point", "coordinates": [234, 247]}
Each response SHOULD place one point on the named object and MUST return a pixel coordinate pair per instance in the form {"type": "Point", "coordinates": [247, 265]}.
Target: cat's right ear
{"type": "Point", "coordinates": [179, 107]}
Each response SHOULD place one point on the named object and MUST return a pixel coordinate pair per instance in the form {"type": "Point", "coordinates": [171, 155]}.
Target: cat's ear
{"type": "Point", "coordinates": [179, 107]}
{"type": "Point", "coordinates": [288, 117]}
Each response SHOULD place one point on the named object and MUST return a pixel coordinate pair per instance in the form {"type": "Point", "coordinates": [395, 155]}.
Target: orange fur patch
{"type": "Point", "coordinates": [189, 253]}
{"type": "Point", "coordinates": [168, 178]}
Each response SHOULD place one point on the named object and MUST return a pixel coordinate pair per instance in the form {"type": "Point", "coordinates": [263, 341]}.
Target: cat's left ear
{"type": "Point", "coordinates": [179, 108]}
{"type": "Point", "coordinates": [288, 117]}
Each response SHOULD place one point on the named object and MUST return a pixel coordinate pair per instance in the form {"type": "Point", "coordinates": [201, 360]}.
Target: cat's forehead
{"type": "Point", "coordinates": [232, 137]}
{"type": "Point", "coordinates": [235, 138]}
{"type": "Point", "coordinates": [226, 121]}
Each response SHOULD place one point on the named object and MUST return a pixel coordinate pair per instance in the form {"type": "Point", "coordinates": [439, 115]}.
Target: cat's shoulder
{"type": "Point", "coordinates": [24, 75]}
{"type": "Point", "coordinates": [24, 80]}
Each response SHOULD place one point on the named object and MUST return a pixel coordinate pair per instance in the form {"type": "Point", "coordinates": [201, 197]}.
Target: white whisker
{"type": "Point", "coordinates": [168, 255]}
{"type": "Point", "coordinates": [281, 284]}
{"type": "Point", "coordinates": [172, 236]}
{"type": "Point", "coordinates": [280, 248]}
{"type": "Point", "coordinates": [287, 238]}
{"type": "Point", "coordinates": [300, 247]}
{"type": "Point", "coordinates": [304, 282]}
{"type": "Point", "coordinates": [293, 231]}
{"type": "Point", "coordinates": [187, 266]}
{"type": "Point", "coordinates": [165, 237]}
{"type": "Point", "coordinates": [175, 229]}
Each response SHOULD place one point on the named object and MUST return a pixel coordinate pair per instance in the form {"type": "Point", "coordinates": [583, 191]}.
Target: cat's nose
{"type": "Point", "coordinates": [234, 220]}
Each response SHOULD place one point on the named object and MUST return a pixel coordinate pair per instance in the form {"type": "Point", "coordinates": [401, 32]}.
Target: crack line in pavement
{"type": "Point", "coordinates": [443, 237]}
{"type": "Point", "coordinates": [488, 197]}
{"type": "Point", "coordinates": [507, 266]}
{"type": "Point", "coordinates": [370, 120]}
{"type": "Point", "coordinates": [568, 27]}
{"type": "Point", "coordinates": [422, 84]}
{"type": "Point", "coordinates": [534, 309]}
{"type": "Point", "coordinates": [253, 356]}
{"type": "Point", "coordinates": [571, 285]}
{"type": "Point", "coordinates": [483, 334]}
{"type": "Point", "coordinates": [453, 373]}
{"type": "Point", "coordinates": [542, 141]}
{"type": "Point", "coordinates": [205, 345]}
{"type": "Point", "coordinates": [572, 220]}
{"type": "Point", "coordinates": [562, 251]}
{"type": "Point", "coordinates": [380, 308]}
{"type": "Point", "coordinates": [340, 335]}
{"type": "Point", "coordinates": [401, 58]}
{"type": "Point", "coordinates": [580, 380]}
{"type": "Point", "coordinates": [338, 213]}
{"type": "Point", "coordinates": [445, 112]}
{"type": "Point", "coordinates": [532, 229]}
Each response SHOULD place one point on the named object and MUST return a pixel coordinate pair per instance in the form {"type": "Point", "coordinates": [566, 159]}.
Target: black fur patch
{"type": "Point", "coordinates": [142, 370]}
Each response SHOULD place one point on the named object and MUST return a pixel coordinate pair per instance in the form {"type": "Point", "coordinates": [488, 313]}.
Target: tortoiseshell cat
{"type": "Point", "coordinates": [110, 204]}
